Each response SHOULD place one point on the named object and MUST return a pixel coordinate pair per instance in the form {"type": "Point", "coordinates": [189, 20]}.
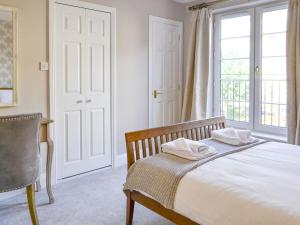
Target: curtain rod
{"type": "Point", "coordinates": [203, 5]}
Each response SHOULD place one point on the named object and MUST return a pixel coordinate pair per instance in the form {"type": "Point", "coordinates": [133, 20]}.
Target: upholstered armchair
{"type": "Point", "coordinates": [20, 156]}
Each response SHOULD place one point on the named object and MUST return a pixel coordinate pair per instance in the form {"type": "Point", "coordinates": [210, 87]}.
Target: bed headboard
{"type": "Point", "coordinates": [145, 143]}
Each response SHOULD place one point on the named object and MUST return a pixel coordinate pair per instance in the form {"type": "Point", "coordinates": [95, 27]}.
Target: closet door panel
{"type": "Point", "coordinates": [98, 93]}
{"type": "Point", "coordinates": [97, 61]}
{"type": "Point", "coordinates": [70, 108]}
{"type": "Point", "coordinates": [97, 129]}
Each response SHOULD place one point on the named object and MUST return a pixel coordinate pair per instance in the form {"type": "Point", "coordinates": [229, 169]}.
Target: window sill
{"type": "Point", "coordinates": [270, 137]}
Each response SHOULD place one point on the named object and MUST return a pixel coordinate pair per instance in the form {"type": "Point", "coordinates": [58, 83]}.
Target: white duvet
{"type": "Point", "coordinates": [259, 186]}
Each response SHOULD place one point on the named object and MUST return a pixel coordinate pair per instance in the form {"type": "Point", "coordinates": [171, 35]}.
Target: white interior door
{"type": "Point", "coordinates": [83, 135]}
{"type": "Point", "coordinates": [165, 75]}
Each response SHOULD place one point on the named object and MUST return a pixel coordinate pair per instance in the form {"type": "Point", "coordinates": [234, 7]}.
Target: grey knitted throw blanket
{"type": "Point", "coordinates": [159, 175]}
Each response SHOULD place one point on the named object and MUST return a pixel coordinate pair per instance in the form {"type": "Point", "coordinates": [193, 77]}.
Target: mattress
{"type": "Point", "coordinates": [259, 186]}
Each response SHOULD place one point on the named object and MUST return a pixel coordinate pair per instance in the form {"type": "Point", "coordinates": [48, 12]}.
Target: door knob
{"type": "Point", "coordinates": [79, 101]}
{"type": "Point", "coordinates": [88, 101]}
{"type": "Point", "coordinates": [156, 92]}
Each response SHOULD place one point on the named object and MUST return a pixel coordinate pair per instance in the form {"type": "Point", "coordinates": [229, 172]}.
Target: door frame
{"type": "Point", "coordinates": [52, 74]}
{"type": "Point", "coordinates": [170, 22]}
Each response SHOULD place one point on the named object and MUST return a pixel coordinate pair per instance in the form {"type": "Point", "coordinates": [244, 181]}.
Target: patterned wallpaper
{"type": "Point", "coordinates": [6, 54]}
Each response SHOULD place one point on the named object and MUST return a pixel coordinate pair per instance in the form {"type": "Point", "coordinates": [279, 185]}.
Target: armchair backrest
{"type": "Point", "coordinates": [19, 151]}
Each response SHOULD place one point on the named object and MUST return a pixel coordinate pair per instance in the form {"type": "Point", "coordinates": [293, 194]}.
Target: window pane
{"type": "Point", "coordinates": [282, 115]}
{"type": "Point", "coordinates": [274, 21]}
{"type": "Point", "coordinates": [274, 44]}
{"type": "Point", "coordinates": [236, 48]}
{"type": "Point", "coordinates": [235, 68]}
{"type": "Point", "coordinates": [267, 114]}
{"type": "Point", "coordinates": [273, 77]}
{"type": "Point", "coordinates": [273, 66]}
{"type": "Point", "coordinates": [6, 96]}
{"type": "Point", "coordinates": [283, 93]}
{"type": "Point", "coordinates": [275, 115]}
{"type": "Point", "coordinates": [278, 77]}
{"type": "Point", "coordinates": [235, 27]}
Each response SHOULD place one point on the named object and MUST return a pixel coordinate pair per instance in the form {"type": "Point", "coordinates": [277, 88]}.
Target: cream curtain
{"type": "Point", "coordinates": [197, 67]}
{"type": "Point", "coordinates": [293, 72]}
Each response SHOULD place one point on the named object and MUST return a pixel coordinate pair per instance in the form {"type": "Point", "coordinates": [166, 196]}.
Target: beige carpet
{"type": "Point", "coordinates": [91, 200]}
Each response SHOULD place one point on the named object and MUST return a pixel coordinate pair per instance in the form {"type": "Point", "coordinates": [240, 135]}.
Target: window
{"type": "Point", "coordinates": [250, 68]}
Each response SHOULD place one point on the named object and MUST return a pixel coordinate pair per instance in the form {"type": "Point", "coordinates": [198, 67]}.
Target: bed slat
{"type": "Point", "coordinates": [144, 148]}
{"type": "Point", "coordinates": [150, 146]}
{"type": "Point", "coordinates": [137, 150]}
{"type": "Point", "coordinates": [156, 145]}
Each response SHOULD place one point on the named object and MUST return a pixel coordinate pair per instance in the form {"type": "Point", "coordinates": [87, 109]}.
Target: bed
{"type": "Point", "coordinates": [258, 186]}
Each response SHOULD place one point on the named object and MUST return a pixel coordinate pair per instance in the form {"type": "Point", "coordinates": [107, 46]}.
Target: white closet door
{"type": "Point", "coordinates": [82, 91]}
{"type": "Point", "coordinates": [98, 88]}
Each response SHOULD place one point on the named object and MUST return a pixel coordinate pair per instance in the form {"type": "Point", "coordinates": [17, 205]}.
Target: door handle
{"type": "Point", "coordinates": [88, 101]}
{"type": "Point", "coordinates": [156, 92]}
{"type": "Point", "coordinates": [257, 71]}
{"type": "Point", "coordinates": [79, 101]}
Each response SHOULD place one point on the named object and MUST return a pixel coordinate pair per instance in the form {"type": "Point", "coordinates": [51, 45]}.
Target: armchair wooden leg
{"type": "Point", "coordinates": [31, 204]}
{"type": "Point", "coordinates": [129, 210]}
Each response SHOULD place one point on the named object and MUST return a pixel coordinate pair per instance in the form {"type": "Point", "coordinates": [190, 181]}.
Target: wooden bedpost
{"type": "Point", "coordinates": [129, 210]}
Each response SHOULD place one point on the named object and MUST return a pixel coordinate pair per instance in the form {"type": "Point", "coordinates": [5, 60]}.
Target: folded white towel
{"type": "Point", "coordinates": [233, 136]}
{"type": "Point", "coordinates": [188, 149]}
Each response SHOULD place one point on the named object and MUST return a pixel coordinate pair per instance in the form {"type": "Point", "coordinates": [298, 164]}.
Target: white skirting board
{"type": "Point", "coordinates": [121, 160]}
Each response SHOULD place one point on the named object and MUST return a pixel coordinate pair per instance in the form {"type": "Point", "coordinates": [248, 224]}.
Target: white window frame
{"type": "Point", "coordinates": [217, 67]}
{"type": "Point", "coordinates": [258, 63]}
{"type": "Point", "coordinates": [255, 52]}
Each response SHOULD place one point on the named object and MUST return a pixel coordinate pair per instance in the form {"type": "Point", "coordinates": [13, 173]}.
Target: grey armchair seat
{"type": "Point", "coordinates": [20, 156]}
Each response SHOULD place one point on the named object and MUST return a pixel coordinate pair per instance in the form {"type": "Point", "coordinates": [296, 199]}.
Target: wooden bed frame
{"type": "Point", "coordinates": [145, 143]}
